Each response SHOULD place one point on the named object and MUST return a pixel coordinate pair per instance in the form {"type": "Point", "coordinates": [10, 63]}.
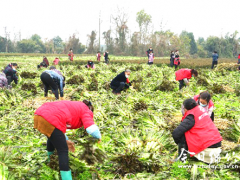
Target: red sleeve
{"type": "Point", "coordinates": [128, 80]}
{"type": "Point", "coordinates": [87, 119]}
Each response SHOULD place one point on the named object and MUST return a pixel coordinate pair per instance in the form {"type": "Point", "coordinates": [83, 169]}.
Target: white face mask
{"type": "Point", "coordinates": [127, 76]}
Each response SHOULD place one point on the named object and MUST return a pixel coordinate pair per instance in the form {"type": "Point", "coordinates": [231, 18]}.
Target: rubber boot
{"type": "Point", "coordinates": [66, 175]}
{"type": "Point", "coordinates": [49, 154]}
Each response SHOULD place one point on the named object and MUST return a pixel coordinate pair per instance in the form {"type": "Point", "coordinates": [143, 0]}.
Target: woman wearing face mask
{"type": "Point", "coordinates": [53, 118]}
{"type": "Point", "coordinates": [120, 82]}
{"type": "Point", "coordinates": [183, 76]}
{"type": "Point", "coordinates": [197, 134]}
{"type": "Point", "coordinates": [204, 100]}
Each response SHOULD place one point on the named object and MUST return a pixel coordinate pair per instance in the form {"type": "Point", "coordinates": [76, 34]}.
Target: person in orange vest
{"type": "Point", "coordinates": [183, 76]}
{"type": "Point", "coordinates": [70, 55]}
{"type": "Point", "coordinates": [98, 56]}
{"type": "Point", "coordinates": [197, 134]}
{"type": "Point", "coordinates": [53, 119]}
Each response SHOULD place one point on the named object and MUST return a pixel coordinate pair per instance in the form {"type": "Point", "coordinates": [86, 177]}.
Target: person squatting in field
{"type": "Point", "coordinates": [204, 100]}
{"type": "Point", "coordinates": [70, 55]}
{"type": "Point", "coordinates": [3, 80]}
{"type": "Point", "coordinates": [121, 82]}
{"type": "Point", "coordinates": [176, 59]}
{"type": "Point", "coordinates": [215, 59]}
{"type": "Point", "coordinates": [44, 63]}
{"type": "Point", "coordinates": [56, 61]}
{"type": "Point", "coordinates": [52, 79]}
{"type": "Point", "coordinates": [197, 134]}
{"type": "Point", "coordinates": [11, 73]}
{"type": "Point", "coordinates": [53, 118]}
{"type": "Point", "coordinates": [150, 58]}
{"type": "Point", "coordinates": [90, 64]}
{"type": "Point", "coordinates": [98, 56]}
{"type": "Point", "coordinates": [106, 57]}
{"type": "Point", "coordinates": [183, 76]}
{"type": "Point", "coordinates": [172, 56]}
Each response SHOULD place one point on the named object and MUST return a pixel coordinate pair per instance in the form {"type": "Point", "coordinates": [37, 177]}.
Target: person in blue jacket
{"type": "Point", "coordinates": [215, 59]}
{"type": "Point", "coordinates": [52, 79]}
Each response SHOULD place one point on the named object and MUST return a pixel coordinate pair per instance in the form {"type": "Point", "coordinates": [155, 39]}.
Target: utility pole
{"type": "Point", "coordinates": [99, 31]}
{"type": "Point", "coordinates": [6, 37]}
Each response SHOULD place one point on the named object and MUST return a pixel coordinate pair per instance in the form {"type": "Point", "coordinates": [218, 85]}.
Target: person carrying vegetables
{"type": "Point", "coordinates": [54, 118]}
{"type": "Point", "coordinates": [11, 71]}
{"type": "Point", "coordinates": [120, 82]}
{"type": "Point", "coordinates": [197, 134]}
{"type": "Point", "coordinates": [183, 76]}
{"type": "Point", "coordinates": [51, 78]}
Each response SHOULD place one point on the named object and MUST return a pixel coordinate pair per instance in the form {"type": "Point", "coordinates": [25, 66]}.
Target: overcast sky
{"type": "Point", "coordinates": [50, 18]}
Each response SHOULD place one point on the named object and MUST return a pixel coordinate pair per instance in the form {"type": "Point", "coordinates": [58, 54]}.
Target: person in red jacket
{"type": "Point", "coordinates": [197, 134]}
{"type": "Point", "coordinates": [45, 60]}
{"type": "Point", "coordinates": [98, 56]}
{"type": "Point", "coordinates": [176, 61]}
{"type": "Point", "coordinates": [53, 118]}
{"type": "Point", "coordinates": [70, 55]}
{"type": "Point", "coordinates": [183, 76]}
{"type": "Point", "coordinates": [56, 61]}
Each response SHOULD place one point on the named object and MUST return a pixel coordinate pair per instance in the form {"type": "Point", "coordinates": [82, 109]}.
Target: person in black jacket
{"type": "Point", "coordinates": [106, 57]}
{"type": "Point", "coordinates": [120, 82]}
{"type": "Point", "coordinates": [187, 124]}
{"type": "Point", "coordinates": [172, 56]}
{"type": "Point", "coordinates": [148, 51]}
{"type": "Point", "coordinates": [11, 71]}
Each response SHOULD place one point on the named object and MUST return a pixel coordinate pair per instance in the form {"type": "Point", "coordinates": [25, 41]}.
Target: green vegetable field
{"type": "Point", "coordinates": [136, 126]}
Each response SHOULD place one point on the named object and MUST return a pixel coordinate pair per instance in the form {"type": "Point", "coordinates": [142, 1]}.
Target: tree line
{"type": "Point", "coordinates": [119, 40]}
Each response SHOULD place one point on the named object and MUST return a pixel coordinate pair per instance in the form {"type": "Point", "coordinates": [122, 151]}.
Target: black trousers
{"type": "Point", "coordinates": [214, 63]}
{"type": "Point", "coordinates": [119, 88]}
{"type": "Point", "coordinates": [58, 141]}
{"type": "Point", "coordinates": [48, 82]}
{"type": "Point", "coordinates": [9, 79]}
{"type": "Point", "coordinates": [175, 66]}
{"type": "Point", "coordinates": [181, 84]}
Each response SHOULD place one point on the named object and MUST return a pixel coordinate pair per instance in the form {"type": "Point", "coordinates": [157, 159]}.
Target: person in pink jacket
{"type": "Point", "coordinates": [56, 61]}
{"type": "Point", "coordinates": [54, 118]}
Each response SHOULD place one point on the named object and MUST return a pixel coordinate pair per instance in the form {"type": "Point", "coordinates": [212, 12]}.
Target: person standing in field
{"type": "Point", "coordinates": [3, 80]}
{"type": "Point", "coordinates": [106, 57]}
{"type": "Point", "coordinates": [56, 61]}
{"type": "Point", "coordinates": [148, 51]}
{"type": "Point", "coordinates": [70, 55]}
{"type": "Point", "coordinates": [120, 82]}
{"type": "Point", "coordinates": [11, 73]}
{"type": "Point", "coordinates": [53, 118]}
{"type": "Point", "coordinates": [51, 79]}
{"type": "Point", "coordinates": [183, 76]}
{"type": "Point", "coordinates": [176, 59]}
{"type": "Point", "coordinates": [98, 56]}
{"type": "Point", "coordinates": [172, 56]}
{"type": "Point", "coordinates": [197, 134]}
{"type": "Point", "coordinates": [215, 59]}
{"type": "Point", "coordinates": [150, 58]}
